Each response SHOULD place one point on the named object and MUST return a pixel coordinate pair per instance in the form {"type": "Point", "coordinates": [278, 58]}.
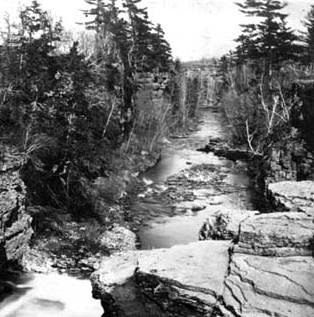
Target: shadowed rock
{"type": "Point", "coordinates": [15, 223]}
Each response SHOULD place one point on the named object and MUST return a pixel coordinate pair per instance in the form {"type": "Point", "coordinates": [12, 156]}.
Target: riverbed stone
{"type": "Point", "coordinates": [263, 286]}
{"type": "Point", "coordinates": [184, 280]}
{"type": "Point", "coordinates": [293, 196]}
{"type": "Point", "coordinates": [277, 234]}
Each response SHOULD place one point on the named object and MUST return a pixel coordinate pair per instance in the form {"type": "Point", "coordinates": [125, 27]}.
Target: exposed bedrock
{"type": "Point", "coordinates": [226, 223]}
{"type": "Point", "coordinates": [268, 269]}
{"type": "Point", "coordinates": [181, 281]}
{"type": "Point", "coordinates": [277, 234]}
{"type": "Point", "coordinates": [293, 196]}
{"type": "Point", "coordinates": [15, 223]}
{"type": "Point", "coordinates": [260, 286]}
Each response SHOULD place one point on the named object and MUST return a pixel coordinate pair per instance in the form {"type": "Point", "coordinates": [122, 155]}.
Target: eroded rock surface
{"type": "Point", "coordinates": [15, 223]}
{"type": "Point", "coordinates": [180, 281]}
{"type": "Point", "coordinates": [263, 286]}
{"type": "Point", "coordinates": [227, 223]}
{"type": "Point", "coordinates": [293, 196]}
{"type": "Point", "coordinates": [268, 271]}
{"type": "Point", "coordinates": [277, 234]}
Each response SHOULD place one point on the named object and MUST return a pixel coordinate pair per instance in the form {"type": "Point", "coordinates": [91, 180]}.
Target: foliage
{"type": "Point", "coordinates": [71, 105]}
{"type": "Point", "coordinates": [269, 39]}
{"type": "Point", "coordinates": [259, 107]}
{"type": "Point", "coordinates": [308, 36]}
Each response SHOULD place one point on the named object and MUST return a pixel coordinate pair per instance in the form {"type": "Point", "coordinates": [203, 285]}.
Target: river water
{"type": "Point", "coordinates": [52, 295]}
{"type": "Point", "coordinates": [165, 222]}
{"type": "Point", "coordinates": [226, 187]}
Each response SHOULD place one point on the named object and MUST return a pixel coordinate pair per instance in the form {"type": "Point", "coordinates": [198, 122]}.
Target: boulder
{"type": "Point", "coordinates": [293, 196]}
{"type": "Point", "coordinates": [184, 280]}
{"type": "Point", "coordinates": [262, 286]}
{"type": "Point", "coordinates": [226, 223]}
{"type": "Point", "coordinates": [118, 238]}
{"type": "Point", "coordinates": [277, 234]}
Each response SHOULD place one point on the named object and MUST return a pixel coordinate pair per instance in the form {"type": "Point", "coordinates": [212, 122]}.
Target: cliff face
{"type": "Point", "coordinates": [15, 223]}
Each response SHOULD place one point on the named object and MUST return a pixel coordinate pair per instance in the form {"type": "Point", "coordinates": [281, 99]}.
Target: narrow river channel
{"type": "Point", "coordinates": [223, 184]}
{"type": "Point", "coordinates": [166, 222]}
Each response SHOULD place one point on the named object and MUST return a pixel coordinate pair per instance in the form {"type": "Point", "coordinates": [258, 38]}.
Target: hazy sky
{"type": "Point", "coordinates": [194, 28]}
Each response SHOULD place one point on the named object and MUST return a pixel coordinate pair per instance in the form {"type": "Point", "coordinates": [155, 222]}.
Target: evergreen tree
{"type": "Point", "coordinates": [113, 56]}
{"type": "Point", "coordinates": [140, 35]}
{"type": "Point", "coordinates": [270, 39]}
{"type": "Point", "coordinates": [308, 36]}
{"type": "Point", "coordinates": [160, 50]}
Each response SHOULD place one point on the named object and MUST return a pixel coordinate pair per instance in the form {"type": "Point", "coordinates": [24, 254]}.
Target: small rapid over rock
{"type": "Point", "coordinates": [49, 296]}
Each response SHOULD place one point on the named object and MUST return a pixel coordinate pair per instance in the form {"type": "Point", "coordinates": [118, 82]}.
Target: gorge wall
{"type": "Point", "coordinates": [15, 223]}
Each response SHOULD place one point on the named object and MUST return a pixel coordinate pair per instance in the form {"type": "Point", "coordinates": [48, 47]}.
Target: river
{"type": "Point", "coordinates": [166, 222]}
{"type": "Point", "coordinates": [226, 185]}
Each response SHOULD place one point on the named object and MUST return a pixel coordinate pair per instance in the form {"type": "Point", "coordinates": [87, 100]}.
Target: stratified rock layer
{"type": "Point", "coordinates": [260, 286]}
{"type": "Point", "coordinates": [180, 281]}
{"type": "Point", "coordinates": [15, 223]}
{"type": "Point", "coordinates": [293, 196]}
{"type": "Point", "coordinates": [268, 272]}
{"type": "Point", "coordinates": [277, 234]}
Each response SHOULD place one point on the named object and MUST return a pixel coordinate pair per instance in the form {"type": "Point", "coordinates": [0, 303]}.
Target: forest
{"type": "Point", "coordinates": [82, 113]}
{"type": "Point", "coordinates": [113, 152]}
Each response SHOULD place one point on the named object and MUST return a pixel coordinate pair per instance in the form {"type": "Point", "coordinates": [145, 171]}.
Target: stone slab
{"type": "Point", "coordinates": [260, 286]}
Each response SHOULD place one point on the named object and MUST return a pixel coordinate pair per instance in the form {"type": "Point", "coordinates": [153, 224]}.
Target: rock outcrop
{"type": "Point", "coordinates": [293, 196]}
{"type": "Point", "coordinates": [268, 269]}
{"type": "Point", "coordinates": [220, 148]}
{"type": "Point", "coordinates": [226, 223]}
{"type": "Point", "coordinates": [263, 286]}
{"type": "Point", "coordinates": [180, 281]}
{"type": "Point", "coordinates": [15, 223]}
{"type": "Point", "coordinates": [277, 234]}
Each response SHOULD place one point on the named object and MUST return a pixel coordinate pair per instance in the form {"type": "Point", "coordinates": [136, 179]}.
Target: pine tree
{"type": "Point", "coordinates": [270, 39]}
{"type": "Point", "coordinates": [160, 50]}
{"type": "Point", "coordinates": [140, 35]}
{"type": "Point", "coordinates": [113, 51]}
{"type": "Point", "coordinates": [308, 36]}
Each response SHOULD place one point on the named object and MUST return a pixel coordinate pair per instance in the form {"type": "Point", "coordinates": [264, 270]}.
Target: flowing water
{"type": "Point", "coordinates": [176, 223]}
{"type": "Point", "coordinates": [166, 224]}
{"type": "Point", "coordinates": [50, 296]}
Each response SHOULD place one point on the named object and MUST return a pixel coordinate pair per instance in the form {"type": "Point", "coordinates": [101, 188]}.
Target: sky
{"type": "Point", "coordinates": [194, 28]}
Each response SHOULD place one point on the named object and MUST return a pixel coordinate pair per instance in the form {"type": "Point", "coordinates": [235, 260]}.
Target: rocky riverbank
{"type": "Point", "coordinates": [266, 270]}
{"type": "Point", "coordinates": [62, 242]}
